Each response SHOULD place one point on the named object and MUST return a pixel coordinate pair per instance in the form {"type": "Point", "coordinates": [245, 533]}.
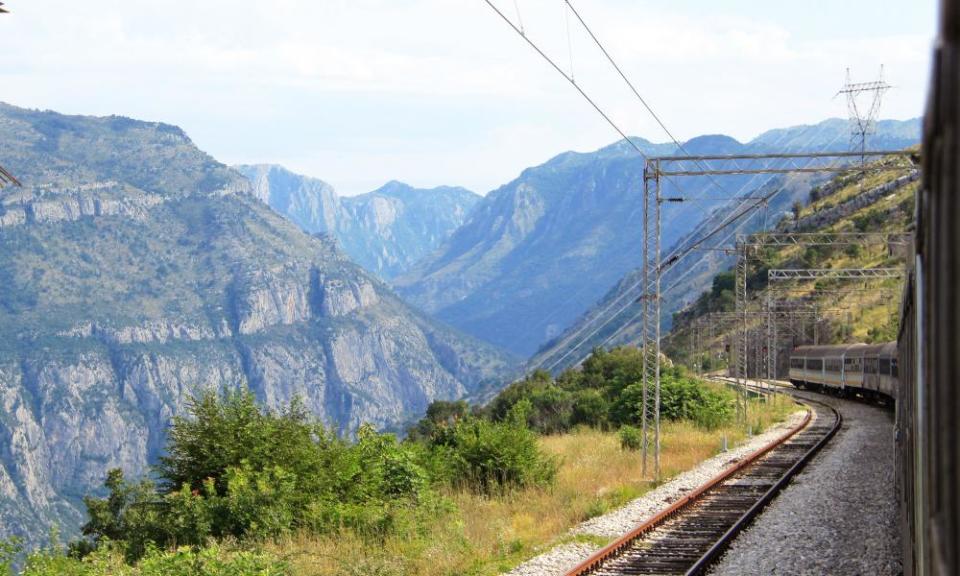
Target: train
{"type": "Point", "coordinates": [864, 370]}
{"type": "Point", "coordinates": [922, 370]}
{"type": "Point", "coordinates": [928, 447]}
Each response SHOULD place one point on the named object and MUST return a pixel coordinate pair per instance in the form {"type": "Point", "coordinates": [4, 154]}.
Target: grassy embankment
{"type": "Point", "coordinates": [485, 535]}
{"type": "Point", "coordinates": [244, 491]}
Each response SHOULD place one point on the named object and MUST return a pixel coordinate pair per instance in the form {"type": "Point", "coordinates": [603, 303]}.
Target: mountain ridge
{"type": "Point", "coordinates": [385, 231]}
{"type": "Point", "coordinates": [141, 270]}
{"type": "Point", "coordinates": [522, 268]}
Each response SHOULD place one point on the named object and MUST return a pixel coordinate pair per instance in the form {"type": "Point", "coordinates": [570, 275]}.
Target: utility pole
{"type": "Point", "coordinates": [651, 315]}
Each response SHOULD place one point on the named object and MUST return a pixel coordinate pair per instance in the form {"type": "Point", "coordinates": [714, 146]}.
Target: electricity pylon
{"type": "Point", "coordinates": [863, 122]}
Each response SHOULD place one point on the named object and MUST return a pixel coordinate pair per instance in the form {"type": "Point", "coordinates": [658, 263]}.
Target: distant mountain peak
{"type": "Point", "coordinates": [713, 144]}
{"type": "Point", "coordinates": [385, 231]}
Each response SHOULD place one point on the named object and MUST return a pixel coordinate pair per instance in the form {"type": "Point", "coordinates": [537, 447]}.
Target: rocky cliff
{"type": "Point", "coordinates": [385, 231]}
{"type": "Point", "coordinates": [135, 270]}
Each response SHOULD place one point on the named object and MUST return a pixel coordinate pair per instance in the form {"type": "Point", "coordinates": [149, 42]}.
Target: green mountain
{"type": "Point", "coordinates": [135, 269]}
{"type": "Point", "coordinates": [385, 231]}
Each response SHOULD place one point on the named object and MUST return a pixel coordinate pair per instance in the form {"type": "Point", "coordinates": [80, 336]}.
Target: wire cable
{"type": "Point", "coordinates": [567, 78]}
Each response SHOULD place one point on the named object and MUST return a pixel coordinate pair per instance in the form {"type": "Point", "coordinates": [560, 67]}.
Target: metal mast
{"type": "Point", "coordinates": [651, 315]}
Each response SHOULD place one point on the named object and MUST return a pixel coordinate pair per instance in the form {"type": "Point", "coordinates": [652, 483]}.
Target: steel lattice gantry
{"type": "Point", "coordinates": [744, 164]}
{"type": "Point", "coordinates": [835, 274]}
{"type": "Point", "coordinates": [748, 244]}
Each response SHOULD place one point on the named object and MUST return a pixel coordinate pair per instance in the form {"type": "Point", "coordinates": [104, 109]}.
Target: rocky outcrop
{"type": "Point", "coordinates": [48, 205]}
{"type": "Point", "coordinates": [827, 216]}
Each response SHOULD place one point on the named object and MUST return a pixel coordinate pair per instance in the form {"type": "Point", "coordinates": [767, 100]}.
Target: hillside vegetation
{"type": "Point", "coordinates": [245, 490]}
{"type": "Point", "coordinates": [881, 201]}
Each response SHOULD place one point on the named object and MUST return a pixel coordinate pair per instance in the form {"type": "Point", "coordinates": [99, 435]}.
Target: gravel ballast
{"type": "Point", "coordinates": [838, 516]}
{"type": "Point", "coordinates": [618, 522]}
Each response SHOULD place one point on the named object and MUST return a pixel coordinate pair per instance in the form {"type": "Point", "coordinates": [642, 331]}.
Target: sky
{"type": "Point", "coordinates": [443, 92]}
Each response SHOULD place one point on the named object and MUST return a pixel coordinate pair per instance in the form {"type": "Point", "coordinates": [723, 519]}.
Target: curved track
{"type": "Point", "coordinates": [688, 536]}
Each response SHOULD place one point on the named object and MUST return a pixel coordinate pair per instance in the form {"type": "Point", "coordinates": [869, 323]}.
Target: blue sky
{"type": "Point", "coordinates": [431, 92]}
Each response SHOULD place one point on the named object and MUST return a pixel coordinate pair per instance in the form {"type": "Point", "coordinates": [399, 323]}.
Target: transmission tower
{"type": "Point", "coordinates": [863, 122]}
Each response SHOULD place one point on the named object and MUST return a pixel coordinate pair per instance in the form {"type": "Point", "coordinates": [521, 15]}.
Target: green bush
{"type": "Point", "coordinates": [490, 457]}
{"type": "Point", "coordinates": [236, 470]}
{"type": "Point", "coordinates": [590, 408]}
{"type": "Point", "coordinates": [630, 438]}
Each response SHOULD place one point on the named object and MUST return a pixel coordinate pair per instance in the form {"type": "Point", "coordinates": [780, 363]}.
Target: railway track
{"type": "Point", "coordinates": [687, 537]}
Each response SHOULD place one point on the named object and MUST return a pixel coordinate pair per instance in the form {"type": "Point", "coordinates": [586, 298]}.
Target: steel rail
{"type": "Point", "coordinates": [718, 548]}
{"type": "Point", "coordinates": [615, 549]}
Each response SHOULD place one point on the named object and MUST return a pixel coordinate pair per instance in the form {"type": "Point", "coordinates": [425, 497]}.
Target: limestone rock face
{"type": "Point", "coordinates": [385, 231]}
{"type": "Point", "coordinates": [136, 271]}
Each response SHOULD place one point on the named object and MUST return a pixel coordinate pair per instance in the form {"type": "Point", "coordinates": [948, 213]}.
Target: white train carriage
{"type": "Point", "coordinates": [867, 370]}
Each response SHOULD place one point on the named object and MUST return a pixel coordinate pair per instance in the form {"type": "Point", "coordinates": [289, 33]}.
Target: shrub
{"type": "Point", "coordinates": [590, 408]}
{"type": "Point", "coordinates": [9, 548]}
{"type": "Point", "coordinates": [630, 438]}
{"type": "Point", "coordinates": [236, 470]}
{"type": "Point", "coordinates": [439, 413]}
{"type": "Point", "coordinates": [488, 457]}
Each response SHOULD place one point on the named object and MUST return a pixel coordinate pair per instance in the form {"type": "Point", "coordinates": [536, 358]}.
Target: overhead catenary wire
{"type": "Point", "coordinates": [573, 83]}
{"type": "Point", "coordinates": [633, 88]}
{"type": "Point", "coordinates": [567, 78]}
{"type": "Point", "coordinates": [566, 19]}
{"type": "Point", "coordinates": [516, 6]}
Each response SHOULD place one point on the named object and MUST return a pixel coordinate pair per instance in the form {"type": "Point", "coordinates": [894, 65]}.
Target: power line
{"type": "Point", "coordinates": [633, 88]}
{"type": "Point", "coordinates": [566, 77]}
{"type": "Point", "coordinates": [624, 76]}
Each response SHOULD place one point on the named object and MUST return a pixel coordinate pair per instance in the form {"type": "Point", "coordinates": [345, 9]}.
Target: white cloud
{"type": "Point", "coordinates": [437, 91]}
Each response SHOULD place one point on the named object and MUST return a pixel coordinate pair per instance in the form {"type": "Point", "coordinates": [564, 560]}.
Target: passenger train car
{"type": "Point", "coordinates": [868, 370]}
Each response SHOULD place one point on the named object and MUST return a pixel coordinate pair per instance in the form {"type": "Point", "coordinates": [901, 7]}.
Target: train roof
{"type": "Point", "coordinates": [860, 349]}
{"type": "Point", "coordinates": [885, 349]}
{"type": "Point", "coordinates": [825, 351]}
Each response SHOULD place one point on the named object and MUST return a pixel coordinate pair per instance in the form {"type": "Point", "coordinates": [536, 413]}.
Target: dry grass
{"type": "Point", "coordinates": [486, 535]}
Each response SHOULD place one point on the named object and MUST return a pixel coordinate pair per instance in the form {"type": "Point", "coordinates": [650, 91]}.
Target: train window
{"type": "Point", "coordinates": [893, 368]}
{"type": "Point", "coordinates": [884, 365]}
{"type": "Point", "coordinates": [815, 364]}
